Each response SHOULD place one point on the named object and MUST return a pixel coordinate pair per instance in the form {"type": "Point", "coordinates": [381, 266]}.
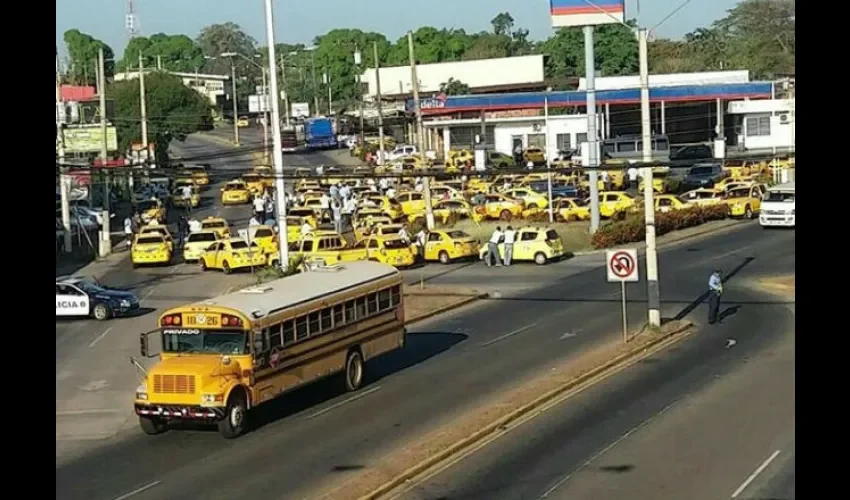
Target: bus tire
{"type": "Point", "coordinates": [101, 311]}
{"type": "Point", "coordinates": [152, 425]}
{"type": "Point", "coordinates": [354, 370]}
{"type": "Point", "coordinates": [444, 257]}
{"type": "Point", "coordinates": [235, 415]}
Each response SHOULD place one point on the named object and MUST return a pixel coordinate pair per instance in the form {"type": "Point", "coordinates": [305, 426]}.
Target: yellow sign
{"type": "Point", "coordinates": [89, 140]}
{"type": "Point", "coordinates": [201, 319]}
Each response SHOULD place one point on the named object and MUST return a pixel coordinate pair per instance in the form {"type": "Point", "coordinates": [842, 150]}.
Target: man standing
{"type": "Point", "coordinates": [633, 178]}
{"type": "Point", "coordinates": [606, 180]}
{"type": "Point", "coordinates": [493, 248]}
{"type": "Point", "coordinates": [715, 290]}
{"type": "Point", "coordinates": [259, 207]}
{"type": "Point", "coordinates": [510, 236]}
{"type": "Point", "coordinates": [182, 230]}
{"type": "Point", "coordinates": [325, 205]}
{"type": "Point", "coordinates": [336, 210]}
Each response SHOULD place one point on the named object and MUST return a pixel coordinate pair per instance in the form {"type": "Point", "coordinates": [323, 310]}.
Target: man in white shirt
{"type": "Point", "coordinates": [633, 177]}
{"type": "Point", "coordinates": [390, 193]}
{"type": "Point", "coordinates": [254, 221]}
{"type": "Point", "coordinates": [259, 207]}
{"type": "Point", "coordinates": [383, 184]}
{"type": "Point", "coordinates": [606, 180]}
{"type": "Point", "coordinates": [306, 229]}
{"type": "Point", "coordinates": [493, 247]}
{"type": "Point", "coordinates": [194, 226]}
{"type": "Point", "coordinates": [510, 236]}
{"type": "Point", "coordinates": [325, 205]}
{"type": "Point", "coordinates": [403, 234]}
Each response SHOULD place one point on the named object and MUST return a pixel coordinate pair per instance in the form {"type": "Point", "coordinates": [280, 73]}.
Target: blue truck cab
{"type": "Point", "coordinates": [319, 133]}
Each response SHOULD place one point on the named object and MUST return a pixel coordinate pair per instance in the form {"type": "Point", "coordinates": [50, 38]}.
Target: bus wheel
{"type": "Point", "coordinates": [354, 370]}
{"type": "Point", "coordinates": [152, 425]}
{"type": "Point", "coordinates": [233, 423]}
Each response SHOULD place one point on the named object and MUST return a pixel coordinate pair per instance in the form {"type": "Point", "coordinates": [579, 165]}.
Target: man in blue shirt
{"type": "Point", "coordinates": [715, 290]}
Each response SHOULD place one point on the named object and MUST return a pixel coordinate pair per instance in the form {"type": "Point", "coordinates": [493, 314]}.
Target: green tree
{"type": "Point", "coordinates": [616, 51]}
{"type": "Point", "coordinates": [173, 111]}
{"type": "Point", "coordinates": [503, 24]}
{"type": "Point", "coordinates": [216, 39]}
{"type": "Point", "coordinates": [454, 87]}
{"type": "Point", "coordinates": [759, 35]}
{"type": "Point", "coordinates": [488, 46]}
{"type": "Point", "coordinates": [175, 52]}
{"type": "Point", "coordinates": [82, 53]}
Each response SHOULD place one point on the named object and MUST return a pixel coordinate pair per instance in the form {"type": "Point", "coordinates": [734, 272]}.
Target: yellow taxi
{"type": "Point", "coordinates": [199, 175]}
{"type": "Point", "coordinates": [293, 227]}
{"type": "Point", "coordinates": [232, 254]}
{"type": "Point", "coordinates": [151, 210]}
{"type": "Point", "coordinates": [314, 204]}
{"type": "Point", "coordinates": [498, 206]}
{"type": "Point", "coordinates": [306, 214]}
{"type": "Point", "coordinates": [614, 203]}
{"type": "Point", "coordinates": [387, 249]}
{"type": "Point", "coordinates": [364, 226]}
{"type": "Point", "coordinates": [235, 193]}
{"type": "Point", "coordinates": [179, 200]}
{"type": "Point", "coordinates": [307, 185]}
{"type": "Point", "coordinates": [254, 182]}
{"type": "Point", "coordinates": [703, 196]}
{"type": "Point", "coordinates": [445, 192]}
{"type": "Point", "coordinates": [742, 168]}
{"type": "Point", "coordinates": [530, 199]}
{"type": "Point", "coordinates": [150, 249]}
{"type": "Point", "coordinates": [572, 209]}
{"type": "Point", "coordinates": [266, 175]}
{"type": "Point", "coordinates": [732, 182]}
{"type": "Point", "coordinates": [242, 121]}
{"type": "Point", "coordinates": [447, 246]}
{"type": "Point", "coordinates": [160, 230]}
{"type": "Point", "coordinates": [411, 202]}
{"type": "Point", "coordinates": [326, 246]}
{"type": "Point", "coordinates": [668, 203]}
{"type": "Point", "coordinates": [659, 180]}
{"type": "Point", "coordinates": [744, 201]}
{"type": "Point", "coordinates": [265, 237]}
{"type": "Point", "coordinates": [459, 208]}
{"type": "Point", "coordinates": [217, 224]}
{"type": "Point", "coordinates": [197, 243]}
{"type": "Point", "coordinates": [389, 206]}
{"type": "Point", "coordinates": [538, 244]}
{"type": "Point", "coordinates": [534, 155]}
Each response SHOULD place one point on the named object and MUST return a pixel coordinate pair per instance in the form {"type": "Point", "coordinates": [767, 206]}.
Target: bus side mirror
{"type": "Point", "coordinates": [143, 344]}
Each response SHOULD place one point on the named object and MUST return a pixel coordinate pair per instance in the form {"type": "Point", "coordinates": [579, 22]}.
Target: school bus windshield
{"type": "Point", "coordinates": [196, 341]}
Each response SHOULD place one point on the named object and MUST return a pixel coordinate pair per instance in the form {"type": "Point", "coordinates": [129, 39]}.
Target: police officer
{"type": "Point", "coordinates": [715, 290]}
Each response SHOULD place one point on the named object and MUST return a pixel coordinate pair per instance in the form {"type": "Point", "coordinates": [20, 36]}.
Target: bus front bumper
{"type": "Point", "coordinates": [183, 412]}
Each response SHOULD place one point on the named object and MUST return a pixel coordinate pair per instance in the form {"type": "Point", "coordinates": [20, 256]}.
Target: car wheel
{"type": "Point", "coordinates": [225, 266]}
{"type": "Point", "coordinates": [532, 206]}
{"type": "Point", "coordinates": [444, 257]}
{"type": "Point", "coordinates": [202, 263]}
{"type": "Point", "coordinates": [540, 258]}
{"type": "Point", "coordinates": [748, 212]}
{"type": "Point", "coordinates": [505, 215]}
{"type": "Point", "coordinates": [101, 311]}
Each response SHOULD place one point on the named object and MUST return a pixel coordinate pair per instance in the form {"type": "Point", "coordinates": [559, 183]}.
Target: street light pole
{"type": "Point", "coordinates": [378, 102]}
{"type": "Point", "coordinates": [426, 182]}
{"type": "Point", "coordinates": [357, 63]}
{"type": "Point", "coordinates": [277, 153]}
{"type": "Point", "coordinates": [64, 179]}
{"type": "Point", "coordinates": [106, 241]}
{"type": "Point", "coordinates": [266, 115]}
{"type": "Point", "coordinates": [314, 85]}
{"type": "Point", "coordinates": [548, 154]}
{"type": "Point", "coordinates": [235, 106]}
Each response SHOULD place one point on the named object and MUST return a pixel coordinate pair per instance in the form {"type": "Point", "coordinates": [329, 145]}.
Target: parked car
{"type": "Point", "coordinates": [702, 175]}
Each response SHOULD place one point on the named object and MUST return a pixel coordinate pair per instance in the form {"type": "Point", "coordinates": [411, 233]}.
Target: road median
{"type": "Point", "coordinates": [413, 461]}
{"type": "Point", "coordinates": [423, 302]}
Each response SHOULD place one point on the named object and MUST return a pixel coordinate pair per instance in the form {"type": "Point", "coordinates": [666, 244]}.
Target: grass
{"type": "Point", "coordinates": [575, 235]}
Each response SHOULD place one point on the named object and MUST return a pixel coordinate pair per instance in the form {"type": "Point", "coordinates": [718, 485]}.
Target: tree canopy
{"type": "Point", "coordinates": [173, 110]}
{"type": "Point", "coordinates": [175, 52]}
{"type": "Point", "coordinates": [454, 87]}
{"type": "Point", "coordinates": [82, 56]}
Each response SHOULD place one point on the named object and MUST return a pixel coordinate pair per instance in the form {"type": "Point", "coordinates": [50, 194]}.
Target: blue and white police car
{"type": "Point", "coordinates": [78, 296]}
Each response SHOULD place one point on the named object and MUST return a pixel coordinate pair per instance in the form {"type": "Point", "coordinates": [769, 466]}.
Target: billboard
{"type": "Point", "coordinates": [259, 104]}
{"type": "Point", "coordinates": [568, 13]}
{"type": "Point", "coordinates": [89, 140]}
{"type": "Point", "coordinates": [300, 110]}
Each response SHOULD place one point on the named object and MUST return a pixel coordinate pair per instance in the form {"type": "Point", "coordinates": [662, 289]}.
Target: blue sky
{"type": "Point", "coordinates": [300, 21]}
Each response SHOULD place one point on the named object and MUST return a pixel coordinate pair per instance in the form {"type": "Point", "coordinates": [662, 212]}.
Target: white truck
{"type": "Point", "coordinates": [778, 207]}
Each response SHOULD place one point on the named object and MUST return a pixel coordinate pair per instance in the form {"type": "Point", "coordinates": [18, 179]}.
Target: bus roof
{"type": "Point", "coordinates": [287, 292]}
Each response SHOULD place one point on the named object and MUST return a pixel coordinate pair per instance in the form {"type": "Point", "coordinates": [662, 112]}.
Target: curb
{"type": "Point", "coordinates": [666, 243]}
{"type": "Point", "coordinates": [492, 427]}
{"type": "Point", "coordinates": [440, 310]}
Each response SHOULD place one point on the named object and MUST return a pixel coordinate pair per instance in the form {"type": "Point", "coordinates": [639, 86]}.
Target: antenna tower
{"type": "Point", "coordinates": [131, 21]}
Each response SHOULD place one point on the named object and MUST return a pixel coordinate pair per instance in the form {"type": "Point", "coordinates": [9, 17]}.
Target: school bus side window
{"type": "Point", "coordinates": [396, 295]}
{"type": "Point", "coordinates": [301, 331]}
{"type": "Point", "coordinates": [384, 300]}
{"type": "Point", "coordinates": [314, 324]}
{"type": "Point", "coordinates": [325, 319]}
{"type": "Point", "coordinates": [350, 315]}
{"type": "Point", "coordinates": [339, 315]}
{"type": "Point", "coordinates": [361, 307]}
{"type": "Point", "coordinates": [372, 303]}
{"type": "Point", "coordinates": [288, 329]}
{"type": "Point", "coordinates": [274, 336]}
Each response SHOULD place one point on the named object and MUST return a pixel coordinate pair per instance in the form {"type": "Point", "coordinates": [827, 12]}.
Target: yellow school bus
{"type": "Point", "coordinates": [222, 357]}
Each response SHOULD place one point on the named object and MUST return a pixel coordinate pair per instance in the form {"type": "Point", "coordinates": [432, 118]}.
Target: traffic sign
{"type": "Point", "coordinates": [622, 265]}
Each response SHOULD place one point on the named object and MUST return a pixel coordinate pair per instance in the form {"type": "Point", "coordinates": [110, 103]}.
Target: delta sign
{"type": "Point", "coordinates": [568, 13]}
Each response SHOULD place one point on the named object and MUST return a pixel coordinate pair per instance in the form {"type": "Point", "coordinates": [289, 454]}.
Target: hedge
{"type": "Point", "coordinates": [634, 229]}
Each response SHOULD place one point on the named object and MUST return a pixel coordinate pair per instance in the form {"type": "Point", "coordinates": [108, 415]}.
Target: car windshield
{"type": "Point", "coordinates": [263, 233]}
{"type": "Point", "coordinates": [779, 196]}
{"type": "Point", "coordinates": [89, 286]}
{"type": "Point", "coordinates": [213, 224]}
{"type": "Point", "coordinates": [456, 235]}
{"type": "Point", "coordinates": [551, 235]}
{"type": "Point", "coordinates": [580, 203]}
{"type": "Point", "coordinates": [145, 240]}
{"type": "Point", "coordinates": [234, 187]}
{"type": "Point", "coordinates": [241, 245]}
{"type": "Point", "coordinates": [202, 237]}
{"type": "Point", "coordinates": [147, 205]}
{"type": "Point", "coordinates": [395, 243]}
{"type": "Point", "coordinates": [196, 341]}
{"type": "Point", "coordinates": [738, 193]}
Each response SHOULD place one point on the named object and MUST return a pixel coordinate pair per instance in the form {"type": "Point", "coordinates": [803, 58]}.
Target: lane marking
{"type": "Point", "coordinates": [508, 335]}
{"type": "Point", "coordinates": [340, 403]}
{"type": "Point", "coordinates": [99, 337]}
{"type": "Point", "coordinates": [148, 294]}
{"type": "Point", "coordinates": [569, 335]}
{"type": "Point", "coordinates": [175, 268]}
{"type": "Point", "coordinates": [752, 477]}
{"type": "Point", "coordinates": [138, 490]}
{"type": "Point", "coordinates": [606, 450]}
{"type": "Point", "coordinates": [71, 413]}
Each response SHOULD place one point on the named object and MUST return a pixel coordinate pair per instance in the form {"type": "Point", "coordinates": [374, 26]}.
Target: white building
{"type": "Point", "coordinates": [668, 80]}
{"type": "Point", "coordinates": [210, 86]}
{"type": "Point", "coordinates": [764, 125]}
{"type": "Point", "coordinates": [482, 76]}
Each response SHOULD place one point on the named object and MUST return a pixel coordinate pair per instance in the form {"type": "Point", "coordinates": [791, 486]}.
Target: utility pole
{"type": "Point", "coordinates": [159, 63]}
{"type": "Point", "coordinates": [266, 114]}
{"type": "Point", "coordinates": [235, 106]}
{"type": "Point", "coordinates": [106, 243]}
{"type": "Point", "coordinates": [277, 153]}
{"type": "Point", "coordinates": [285, 93]}
{"type": "Point", "coordinates": [592, 136]}
{"type": "Point", "coordinates": [378, 103]}
{"type": "Point", "coordinates": [64, 179]}
{"type": "Point", "coordinates": [426, 182]}
{"type": "Point", "coordinates": [314, 85]}
{"type": "Point", "coordinates": [652, 291]}
{"type": "Point", "coordinates": [548, 156]}
{"type": "Point", "coordinates": [326, 79]}
{"type": "Point", "coordinates": [144, 112]}
{"type": "Point", "coordinates": [358, 62]}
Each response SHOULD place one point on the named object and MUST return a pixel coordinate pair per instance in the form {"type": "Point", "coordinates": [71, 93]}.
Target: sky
{"type": "Point", "coordinates": [300, 21]}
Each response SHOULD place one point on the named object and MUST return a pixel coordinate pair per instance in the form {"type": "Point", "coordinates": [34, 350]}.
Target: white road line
{"type": "Point", "coordinates": [70, 413]}
{"type": "Point", "coordinates": [138, 490]}
{"type": "Point", "coordinates": [755, 474]}
{"type": "Point", "coordinates": [175, 268]}
{"type": "Point", "coordinates": [99, 337]}
{"type": "Point", "coordinates": [148, 294]}
{"type": "Point", "coordinates": [509, 334]}
{"type": "Point", "coordinates": [344, 401]}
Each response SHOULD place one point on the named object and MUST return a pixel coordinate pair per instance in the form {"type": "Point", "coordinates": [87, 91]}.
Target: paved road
{"type": "Point", "coordinates": [711, 418]}
{"type": "Point", "coordinates": [318, 434]}
{"type": "Point", "coordinates": [94, 380]}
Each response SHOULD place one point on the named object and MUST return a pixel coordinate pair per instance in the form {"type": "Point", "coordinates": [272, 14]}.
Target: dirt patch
{"type": "Point", "coordinates": [420, 303]}
{"type": "Point", "coordinates": [780, 285]}
{"type": "Point", "coordinates": [470, 420]}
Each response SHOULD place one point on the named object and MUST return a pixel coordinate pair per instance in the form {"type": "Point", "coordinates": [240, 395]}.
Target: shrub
{"type": "Point", "coordinates": [633, 229]}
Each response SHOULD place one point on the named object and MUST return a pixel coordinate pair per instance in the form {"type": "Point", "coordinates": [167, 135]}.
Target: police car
{"type": "Point", "coordinates": [77, 296]}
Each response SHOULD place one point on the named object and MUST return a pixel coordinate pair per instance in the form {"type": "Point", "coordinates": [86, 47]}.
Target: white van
{"type": "Point", "coordinates": [778, 207]}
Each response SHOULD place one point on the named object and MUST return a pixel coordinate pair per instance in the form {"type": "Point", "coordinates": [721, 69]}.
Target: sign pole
{"type": "Point", "coordinates": [625, 314]}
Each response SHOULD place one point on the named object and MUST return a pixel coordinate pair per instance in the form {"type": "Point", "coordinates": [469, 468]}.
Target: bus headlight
{"type": "Point", "coordinates": [208, 398]}
{"type": "Point", "coordinates": [142, 392]}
